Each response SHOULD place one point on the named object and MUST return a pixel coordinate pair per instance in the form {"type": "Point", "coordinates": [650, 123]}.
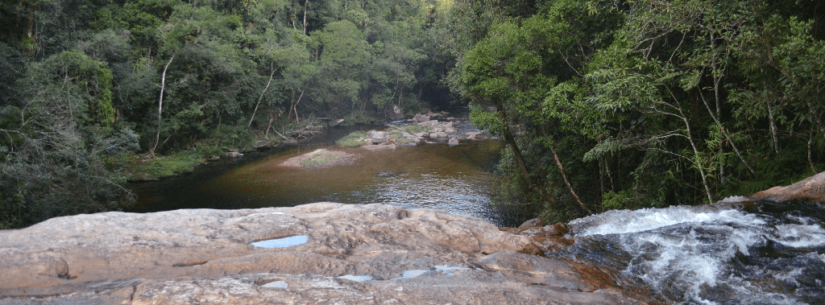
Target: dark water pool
{"type": "Point", "coordinates": [438, 176]}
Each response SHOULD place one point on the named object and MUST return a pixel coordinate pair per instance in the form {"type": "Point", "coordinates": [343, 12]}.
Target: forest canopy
{"type": "Point", "coordinates": [602, 104]}
{"type": "Point", "coordinates": [85, 81]}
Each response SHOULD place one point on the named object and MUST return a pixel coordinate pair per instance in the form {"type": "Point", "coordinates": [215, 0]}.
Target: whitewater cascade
{"type": "Point", "coordinates": [728, 253]}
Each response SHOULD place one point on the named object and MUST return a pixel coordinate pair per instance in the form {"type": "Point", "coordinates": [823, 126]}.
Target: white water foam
{"type": "Point", "coordinates": [686, 252]}
{"type": "Point", "coordinates": [624, 221]}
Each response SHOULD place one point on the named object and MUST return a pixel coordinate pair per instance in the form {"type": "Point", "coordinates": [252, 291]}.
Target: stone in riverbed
{"type": "Point", "coordinates": [205, 256]}
{"type": "Point", "coordinates": [453, 142]}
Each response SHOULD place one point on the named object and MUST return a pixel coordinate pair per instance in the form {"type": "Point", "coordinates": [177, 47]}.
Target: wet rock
{"type": "Point", "coordinates": [205, 256]}
{"type": "Point", "coordinates": [421, 118]}
{"type": "Point", "coordinates": [453, 142]}
{"type": "Point", "coordinates": [432, 123]}
{"type": "Point", "coordinates": [810, 189]}
{"type": "Point", "coordinates": [535, 222]}
{"type": "Point", "coordinates": [472, 135]}
{"type": "Point", "coordinates": [234, 154]}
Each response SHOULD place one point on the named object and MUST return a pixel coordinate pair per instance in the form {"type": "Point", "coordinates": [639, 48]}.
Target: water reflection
{"type": "Point", "coordinates": [437, 176]}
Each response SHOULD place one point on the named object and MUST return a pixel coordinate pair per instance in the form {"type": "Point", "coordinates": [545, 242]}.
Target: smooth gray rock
{"type": "Point", "coordinates": [204, 256]}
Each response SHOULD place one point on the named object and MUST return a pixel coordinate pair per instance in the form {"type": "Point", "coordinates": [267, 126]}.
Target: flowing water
{"type": "Point", "coordinates": [729, 253]}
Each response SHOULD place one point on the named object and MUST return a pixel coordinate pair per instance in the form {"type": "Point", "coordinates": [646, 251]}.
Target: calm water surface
{"type": "Point", "coordinates": [436, 176]}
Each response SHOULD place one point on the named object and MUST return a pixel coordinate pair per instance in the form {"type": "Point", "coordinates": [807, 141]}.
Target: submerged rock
{"type": "Point", "coordinates": [351, 254]}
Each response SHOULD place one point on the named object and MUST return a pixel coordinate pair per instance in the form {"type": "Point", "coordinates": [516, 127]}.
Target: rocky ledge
{"type": "Point", "coordinates": [322, 253]}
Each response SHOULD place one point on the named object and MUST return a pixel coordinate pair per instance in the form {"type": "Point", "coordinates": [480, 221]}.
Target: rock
{"type": "Point", "coordinates": [290, 141]}
{"type": "Point", "coordinates": [397, 113]}
{"type": "Point", "coordinates": [432, 123]}
{"type": "Point", "coordinates": [234, 154]}
{"type": "Point", "coordinates": [375, 147]}
{"type": "Point", "coordinates": [535, 222]}
{"type": "Point", "coordinates": [472, 135]}
{"type": "Point", "coordinates": [336, 123]}
{"type": "Point", "coordinates": [215, 158]}
{"type": "Point", "coordinates": [320, 158]}
{"type": "Point", "coordinates": [450, 130]}
{"type": "Point", "coordinates": [421, 118]}
{"type": "Point", "coordinates": [453, 142]}
{"type": "Point", "coordinates": [810, 189]}
{"type": "Point", "coordinates": [205, 256]}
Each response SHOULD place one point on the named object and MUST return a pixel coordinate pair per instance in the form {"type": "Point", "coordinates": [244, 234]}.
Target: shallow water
{"type": "Point", "coordinates": [285, 242]}
{"type": "Point", "coordinates": [752, 253]}
{"type": "Point", "coordinates": [454, 179]}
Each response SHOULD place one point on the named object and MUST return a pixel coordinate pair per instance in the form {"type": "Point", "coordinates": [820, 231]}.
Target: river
{"type": "Point", "coordinates": [727, 253]}
{"type": "Point", "coordinates": [436, 176]}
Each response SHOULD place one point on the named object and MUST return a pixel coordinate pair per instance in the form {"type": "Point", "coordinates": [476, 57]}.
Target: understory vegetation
{"type": "Point", "coordinates": [629, 104]}
{"type": "Point", "coordinates": [89, 88]}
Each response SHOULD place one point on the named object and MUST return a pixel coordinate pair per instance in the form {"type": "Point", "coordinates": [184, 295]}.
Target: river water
{"type": "Point", "coordinates": [728, 253]}
{"type": "Point", "coordinates": [437, 176]}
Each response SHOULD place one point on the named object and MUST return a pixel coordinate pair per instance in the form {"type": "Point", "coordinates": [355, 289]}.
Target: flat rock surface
{"type": "Point", "coordinates": [205, 256]}
{"type": "Point", "coordinates": [321, 157]}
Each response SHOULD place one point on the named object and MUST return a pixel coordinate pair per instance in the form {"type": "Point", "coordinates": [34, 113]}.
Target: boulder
{"type": "Point", "coordinates": [206, 256]}
{"type": "Point", "coordinates": [453, 142]}
{"type": "Point", "coordinates": [234, 154]}
{"type": "Point", "coordinates": [810, 189]}
{"type": "Point", "coordinates": [535, 222]}
{"type": "Point", "coordinates": [432, 123]}
{"type": "Point", "coordinates": [450, 130]}
{"type": "Point", "coordinates": [320, 158]}
{"type": "Point", "coordinates": [421, 118]}
{"type": "Point", "coordinates": [472, 135]}
{"type": "Point", "coordinates": [397, 113]}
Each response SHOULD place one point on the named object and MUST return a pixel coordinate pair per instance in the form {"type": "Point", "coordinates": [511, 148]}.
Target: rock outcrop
{"type": "Point", "coordinates": [810, 189]}
{"type": "Point", "coordinates": [345, 254]}
{"type": "Point", "coordinates": [320, 158]}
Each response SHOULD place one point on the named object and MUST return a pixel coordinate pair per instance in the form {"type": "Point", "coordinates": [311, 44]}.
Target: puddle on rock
{"type": "Point", "coordinates": [411, 274]}
{"type": "Point", "coordinates": [282, 242]}
{"type": "Point", "coordinates": [448, 270]}
{"type": "Point", "coordinates": [356, 278]}
{"type": "Point", "coordinates": [276, 284]}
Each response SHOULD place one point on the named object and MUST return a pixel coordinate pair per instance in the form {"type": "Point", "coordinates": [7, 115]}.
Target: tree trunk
{"type": "Point", "coordinates": [295, 107]}
{"type": "Point", "coordinates": [569, 187]}
{"type": "Point", "coordinates": [262, 95]}
{"type": "Point", "coordinates": [810, 159]}
{"type": "Point", "coordinates": [508, 137]}
{"type": "Point", "coordinates": [160, 105]}
{"type": "Point", "coordinates": [773, 128]}
{"type": "Point", "coordinates": [306, 4]}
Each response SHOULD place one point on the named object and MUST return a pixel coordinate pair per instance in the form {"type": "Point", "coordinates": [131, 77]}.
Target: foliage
{"type": "Point", "coordinates": [353, 139]}
{"type": "Point", "coordinates": [652, 103]}
{"type": "Point", "coordinates": [80, 82]}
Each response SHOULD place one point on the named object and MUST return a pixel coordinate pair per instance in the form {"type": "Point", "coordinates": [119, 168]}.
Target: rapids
{"type": "Point", "coordinates": [728, 253]}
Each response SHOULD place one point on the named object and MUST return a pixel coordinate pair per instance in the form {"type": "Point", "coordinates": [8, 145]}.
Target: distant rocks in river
{"type": "Point", "coordinates": [421, 130]}
{"type": "Point", "coordinates": [347, 254]}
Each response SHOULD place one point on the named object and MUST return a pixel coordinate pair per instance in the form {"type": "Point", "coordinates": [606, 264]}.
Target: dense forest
{"type": "Point", "coordinates": [630, 104]}
{"type": "Point", "coordinates": [601, 104]}
{"type": "Point", "coordinates": [84, 82]}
